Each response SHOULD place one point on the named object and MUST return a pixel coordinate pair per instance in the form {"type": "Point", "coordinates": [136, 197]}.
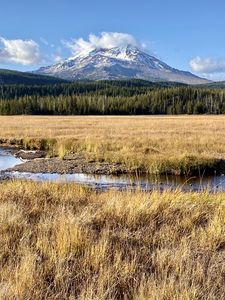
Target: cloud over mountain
{"type": "Point", "coordinates": [106, 40]}
{"type": "Point", "coordinates": [207, 65]}
{"type": "Point", "coordinates": [25, 52]}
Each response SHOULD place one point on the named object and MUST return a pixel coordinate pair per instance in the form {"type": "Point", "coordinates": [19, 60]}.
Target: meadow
{"type": "Point", "coordinates": [145, 144]}
{"type": "Point", "coordinates": [62, 241]}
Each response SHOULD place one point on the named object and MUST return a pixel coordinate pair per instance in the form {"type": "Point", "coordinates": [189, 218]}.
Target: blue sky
{"type": "Point", "coordinates": [188, 35]}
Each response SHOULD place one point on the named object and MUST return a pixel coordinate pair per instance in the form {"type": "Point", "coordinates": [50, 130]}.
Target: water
{"type": "Point", "coordinates": [7, 160]}
{"type": "Point", "coordinates": [213, 183]}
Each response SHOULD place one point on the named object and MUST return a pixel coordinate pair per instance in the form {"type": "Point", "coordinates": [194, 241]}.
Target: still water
{"type": "Point", "coordinates": [213, 183]}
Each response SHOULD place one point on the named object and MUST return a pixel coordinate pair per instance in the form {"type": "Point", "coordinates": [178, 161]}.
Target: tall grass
{"type": "Point", "coordinates": [149, 144]}
{"type": "Point", "coordinates": [61, 241]}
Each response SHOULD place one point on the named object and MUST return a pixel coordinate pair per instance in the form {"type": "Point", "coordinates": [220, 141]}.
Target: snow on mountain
{"type": "Point", "coordinates": [118, 63]}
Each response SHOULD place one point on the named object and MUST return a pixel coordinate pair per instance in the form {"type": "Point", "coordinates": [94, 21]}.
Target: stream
{"type": "Point", "coordinates": [147, 182]}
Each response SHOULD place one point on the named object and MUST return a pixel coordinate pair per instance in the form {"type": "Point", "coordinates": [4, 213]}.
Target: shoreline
{"type": "Point", "coordinates": [36, 161]}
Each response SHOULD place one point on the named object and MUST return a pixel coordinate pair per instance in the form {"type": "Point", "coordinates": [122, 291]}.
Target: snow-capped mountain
{"type": "Point", "coordinates": [118, 63]}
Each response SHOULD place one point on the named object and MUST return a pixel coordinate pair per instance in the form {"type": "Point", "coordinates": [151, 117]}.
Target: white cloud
{"type": "Point", "coordinates": [215, 76]}
{"type": "Point", "coordinates": [207, 65]}
{"type": "Point", "coordinates": [57, 58]}
{"type": "Point", "coordinates": [46, 42]}
{"type": "Point", "coordinates": [25, 52]}
{"type": "Point", "coordinates": [105, 40]}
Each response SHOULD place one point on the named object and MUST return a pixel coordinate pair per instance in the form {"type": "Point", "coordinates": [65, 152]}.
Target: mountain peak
{"type": "Point", "coordinates": [121, 52]}
{"type": "Point", "coordinates": [124, 62]}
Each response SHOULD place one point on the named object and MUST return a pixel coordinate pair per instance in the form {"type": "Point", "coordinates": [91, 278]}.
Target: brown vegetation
{"type": "Point", "coordinates": [67, 242]}
{"type": "Point", "coordinates": [148, 144]}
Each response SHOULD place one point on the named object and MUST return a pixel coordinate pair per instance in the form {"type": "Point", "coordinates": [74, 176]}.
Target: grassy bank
{"type": "Point", "coordinates": [67, 242]}
{"type": "Point", "coordinates": [149, 144]}
{"type": "Point", "coordinates": [183, 144]}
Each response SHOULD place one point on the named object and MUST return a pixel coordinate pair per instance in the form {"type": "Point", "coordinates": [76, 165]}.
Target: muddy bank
{"type": "Point", "coordinates": [79, 164]}
{"type": "Point", "coordinates": [36, 162]}
{"type": "Point", "coordinates": [4, 177]}
{"type": "Point", "coordinates": [23, 154]}
{"type": "Point", "coordinates": [29, 155]}
{"type": "Point", "coordinates": [70, 166]}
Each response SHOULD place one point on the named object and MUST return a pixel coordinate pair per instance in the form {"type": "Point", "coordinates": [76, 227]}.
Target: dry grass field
{"type": "Point", "coordinates": [152, 144]}
{"type": "Point", "coordinates": [62, 241]}
{"type": "Point", "coordinates": [67, 242]}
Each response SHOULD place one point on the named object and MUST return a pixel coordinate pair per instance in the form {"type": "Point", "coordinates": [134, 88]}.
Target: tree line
{"type": "Point", "coordinates": [111, 97]}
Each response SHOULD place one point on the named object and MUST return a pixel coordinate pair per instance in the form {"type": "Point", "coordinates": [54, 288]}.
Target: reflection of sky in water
{"type": "Point", "coordinates": [213, 183]}
{"type": "Point", "coordinates": [98, 181]}
{"type": "Point", "coordinates": [7, 160]}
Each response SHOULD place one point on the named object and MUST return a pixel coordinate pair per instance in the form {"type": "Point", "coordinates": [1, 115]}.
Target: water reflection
{"type": "Point", "coordinates": [213, 183]}
{"type": "Point", "coordinates": [7, 160]}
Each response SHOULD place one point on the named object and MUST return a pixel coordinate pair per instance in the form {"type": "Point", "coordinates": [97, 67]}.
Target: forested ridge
{"type": "Point", "coordinates": [111, 97]}
{"type": "Point", "coordinates": [11, 77]}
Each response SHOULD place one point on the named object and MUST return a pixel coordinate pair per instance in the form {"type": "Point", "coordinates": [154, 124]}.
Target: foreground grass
{"type": "Point", "coordinates": [148, 144]}
{"type": "Point", "coordinates": [67, 242]}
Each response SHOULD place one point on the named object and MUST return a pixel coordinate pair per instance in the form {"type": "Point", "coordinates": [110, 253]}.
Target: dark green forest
{"type": "Point", "coordinates": [110, 98]}
{"type": "Point", "coordinates": [16, 77]}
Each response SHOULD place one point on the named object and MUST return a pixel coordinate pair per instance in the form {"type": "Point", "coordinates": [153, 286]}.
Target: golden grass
{"type": "Point", "coordinates": [152, 144]}
{"type": "Point", "coordinates": [67, 242]}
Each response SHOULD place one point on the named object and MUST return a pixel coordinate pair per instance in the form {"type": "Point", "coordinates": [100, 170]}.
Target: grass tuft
{"type": "Point", "coordinates": [62, 241]}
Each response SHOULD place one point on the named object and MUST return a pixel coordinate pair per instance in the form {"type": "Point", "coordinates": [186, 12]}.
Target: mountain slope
{"type": "Point", "coordinates": [214, 85]}
{"type": "Point", "coordinates": [15, 77]}
{"type": "Point", "coordinates": [118, 63]}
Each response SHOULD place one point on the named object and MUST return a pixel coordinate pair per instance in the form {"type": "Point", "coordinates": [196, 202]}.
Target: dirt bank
{"type": "Point", "coordinates": [69, 165]}
{"type": "Point", "coordinates": [29, 155]}
{"type": "Point", "coordinates": [36, 162]}
{"type": "Point", "coordinates": [4, 177]}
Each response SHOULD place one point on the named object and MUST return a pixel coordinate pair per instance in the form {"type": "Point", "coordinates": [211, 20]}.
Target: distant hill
{"type": "Point", "coordinates": [214, 85]}
{"type": "Point", "coordinates": [25, 78]}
